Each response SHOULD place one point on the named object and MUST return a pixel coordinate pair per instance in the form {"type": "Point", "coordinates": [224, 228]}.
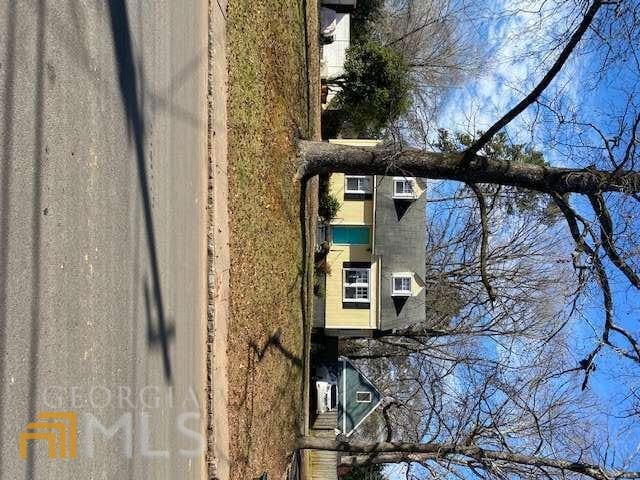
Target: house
{"type": "Point", "coordinates": [357, 398]}
{"type": "Point", "coordinates": [343, 6]}
{"type": "Point", "coordinates": [334, 54]}
{"type": "Point", "coordinates": [375, 265]}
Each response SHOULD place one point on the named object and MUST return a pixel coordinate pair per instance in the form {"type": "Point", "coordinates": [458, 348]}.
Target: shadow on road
{"type": "Point", "coordinates": [154, 337]}
{"type": "Point", "coordinates": [158, 332]}
{"type": "Point", "coordinates": [5, 184]}
{"type": "Point", "coordinates": [36, 226]}
{"type": "Point", "coordinates": [128, 83]}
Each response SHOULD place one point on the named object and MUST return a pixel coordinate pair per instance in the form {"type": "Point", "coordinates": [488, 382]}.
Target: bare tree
{"type": "Point", "coordinates": [529, 270]}
{"type": "Point", "coordinates": [500, 403]}
{"type": "Point", "coordinates": [472, 167]}
{"type": "Point", "coordinates": [504, 410]}
{"type": "Point", "coordinates": [429, 35]}
{"type": "Point", "coordinates": [475, 458]}
{"type": "Point", "coordinates": [441, 52]}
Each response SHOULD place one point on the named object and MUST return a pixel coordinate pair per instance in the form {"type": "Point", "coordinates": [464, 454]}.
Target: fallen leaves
{"type": "Point", "coordinates": [267, 104]}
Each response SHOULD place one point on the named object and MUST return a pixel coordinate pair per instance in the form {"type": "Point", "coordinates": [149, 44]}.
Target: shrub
{"type": "Point", "coordinates": [376, 87]}
{"type": "Point", "coordinates": [328, 205]}
{"type": "Point", "coordinates": [323, 267]}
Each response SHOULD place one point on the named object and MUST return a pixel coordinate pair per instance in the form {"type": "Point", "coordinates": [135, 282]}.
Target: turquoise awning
{"type": "Point", "coordinates": [349, 235]}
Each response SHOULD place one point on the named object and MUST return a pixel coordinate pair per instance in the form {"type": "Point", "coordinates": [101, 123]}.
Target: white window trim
{"type": "Point", "coordinates": [359, 284]}
{"type": "Point", "coordinates": [401, 293]}
{"type": "Point", "coordinates": [364, 401]}
{"type": "Point", "coordinates": [410, 195]}
{"type": "Point", "coordinates": [346, 187]}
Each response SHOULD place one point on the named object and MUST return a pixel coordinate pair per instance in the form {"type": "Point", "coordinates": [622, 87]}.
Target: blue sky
{"type": "Point", "coordinates": [510, 71]}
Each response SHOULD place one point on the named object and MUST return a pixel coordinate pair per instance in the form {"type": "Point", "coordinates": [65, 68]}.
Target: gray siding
{"type": "Point", "coordinates": [400, 237]}
{"type": "Point", "coordinates": [351, 413]}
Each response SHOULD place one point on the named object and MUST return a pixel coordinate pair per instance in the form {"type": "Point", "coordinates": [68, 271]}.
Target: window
{"type": "Point", "coordinates": [357, 184]}
{"type": "Point", "coordinates": [403, 187]}
{"type": "Point", "coordinates": [363, 397]}
{"type": "Point", "coordinates": [356, 284]}
{"type": "Point", "coordinates": [401, 285]}
{"type": "Point", "coordinates": [343, 235]}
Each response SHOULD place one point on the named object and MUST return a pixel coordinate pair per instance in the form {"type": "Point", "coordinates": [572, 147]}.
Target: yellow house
{"type": "Point", "coordinates": [376, 258]}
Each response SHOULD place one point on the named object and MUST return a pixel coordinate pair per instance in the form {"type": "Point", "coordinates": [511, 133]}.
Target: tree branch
{"type": "Point", "coordinates": [411, 32]}
{"type": "Point", "coordinates": [323, 157]}
{"type": "Point", "coordinates": [484, 243]}
{"type": "Point", "coordinates": [544, 83]}
{"type": "Point", "coordinates": [607, 296]}
{"type": "Point", "coordinates": [606, 236]}
{"type": "Point", "coordinates": [441, 451]}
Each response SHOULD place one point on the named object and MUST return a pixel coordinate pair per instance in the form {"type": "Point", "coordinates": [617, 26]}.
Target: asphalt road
{"type": "Point", "coordinates": [102, 235]}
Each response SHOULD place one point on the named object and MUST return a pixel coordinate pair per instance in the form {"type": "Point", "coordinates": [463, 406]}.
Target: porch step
{"type": "Point", "coordinates": [326, 421]}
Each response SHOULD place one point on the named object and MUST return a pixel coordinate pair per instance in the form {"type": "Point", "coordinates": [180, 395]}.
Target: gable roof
{"type": "Point", "coordinates": [352, 413]}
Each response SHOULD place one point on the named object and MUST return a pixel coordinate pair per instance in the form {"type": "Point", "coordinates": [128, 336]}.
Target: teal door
{"type": "Point", "coordinates": [351, 235]}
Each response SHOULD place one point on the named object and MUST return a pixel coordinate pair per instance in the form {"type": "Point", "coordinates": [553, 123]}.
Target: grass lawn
{"type": "Point", "coordinates": [267, 106]}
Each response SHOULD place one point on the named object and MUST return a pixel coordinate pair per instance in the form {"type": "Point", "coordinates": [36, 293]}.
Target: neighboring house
{"type": "Point", "coordinates": [334, 54]}
{"type": "Point", "coordinates": [343, 6]}
{"type": "Point", "coordinates": [376, 260]}
{"type": "Point", "coordinates": [357, 397]}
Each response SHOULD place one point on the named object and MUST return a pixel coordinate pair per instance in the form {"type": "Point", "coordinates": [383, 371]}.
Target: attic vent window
{"type": "Point", "coordinates": [401, 285]}
{"type": "Point", "coordinates": [363, 397]}
{"type": "Point", "coordinates": [403, 188]}
{"type": "Point", "coordinates": [357, 184]}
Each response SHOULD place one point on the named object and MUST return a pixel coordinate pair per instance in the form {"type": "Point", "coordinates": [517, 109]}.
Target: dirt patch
{"type": "Point", "coordinates": [268, 107]}
{"type": "Point", "coordinates": [311, 200]}
{"type": "Point", "coordinates": [218, 247]}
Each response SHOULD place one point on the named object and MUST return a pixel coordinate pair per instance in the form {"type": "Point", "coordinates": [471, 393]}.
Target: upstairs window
{"type": "Point", "coordinates": [356, 284]}
{"type": "Point", "coordinates": [357, 184]}
{"type": "Point", "coordinates": [403, 188]}
{"type": "Point", "coordinates": [401, 285]}
{"type": "Point", "coordinates": [358, 187]}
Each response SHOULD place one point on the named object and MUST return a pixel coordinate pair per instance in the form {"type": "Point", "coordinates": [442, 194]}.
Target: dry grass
{"type": "Point", "coordinates": [268, 107]}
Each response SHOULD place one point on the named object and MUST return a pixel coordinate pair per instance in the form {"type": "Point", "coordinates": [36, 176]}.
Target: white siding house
{"type": "Point", "coordinates": [334, 54]}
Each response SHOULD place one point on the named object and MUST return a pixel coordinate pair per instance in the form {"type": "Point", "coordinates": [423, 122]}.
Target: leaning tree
{"type": "Point", "coordinates": [561, 184]}
{"type": "Point", "coordinates": [605, 240]}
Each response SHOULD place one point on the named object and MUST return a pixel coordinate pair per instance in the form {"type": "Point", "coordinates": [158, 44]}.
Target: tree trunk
{"type": "Point", "coordinates": [322, 157]}
{"type": "Point", "coordinates": [392, 452]}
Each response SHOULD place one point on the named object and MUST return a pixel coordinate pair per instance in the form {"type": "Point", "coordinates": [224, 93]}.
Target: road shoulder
{"type": "Point", "coordinates": [218, 247]}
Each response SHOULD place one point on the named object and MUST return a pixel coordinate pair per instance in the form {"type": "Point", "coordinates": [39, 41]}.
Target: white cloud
{"type": "Point", "coordinates": [396, 471]}
{"type": "Point", "coordinates": [518, 35]}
